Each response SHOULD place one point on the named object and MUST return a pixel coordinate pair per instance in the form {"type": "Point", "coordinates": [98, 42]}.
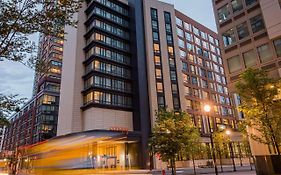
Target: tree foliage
{"type": "Point", "coordinates": [21, 19]}
{"type": "Point", "coordinates": [261, 106]}
{"type": "Point", "coordinates": [173, 134]}
{"type": "Point", "coordinates": [8, 104]}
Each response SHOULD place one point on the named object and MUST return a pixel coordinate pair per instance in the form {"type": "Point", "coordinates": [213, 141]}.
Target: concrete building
{"type": "Point", "coordinates": [250, 33]}
{"type": "Point", "coordinates": [127, 59]}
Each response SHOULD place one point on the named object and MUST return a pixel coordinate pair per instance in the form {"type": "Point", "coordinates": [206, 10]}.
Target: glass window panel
{"type": "Point", "coordinates": [249, 58]}
{"type": "Point", "coordinates": [265, 53]}
{"type": "Point", "coordinates": [250, 2]}
{"type": "Point", "coordinates": [277, 44]}
{"type": "Point", "coordinates": [228, 37]}
{"type": "Point", "coordinates": [223, 14]}
{"type": "Point", "coordinates": [234, 64]}
{"type": "Point", "coordinates": [242, 30]}
{"type": "Point", "coordinates": [237, 5]}
{"type": "Point", "coordinates": [257, 23]}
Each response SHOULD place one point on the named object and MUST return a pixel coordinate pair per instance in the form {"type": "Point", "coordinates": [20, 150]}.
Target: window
{"type": "Point", "coordinates": [237, 5]}
{"type": "Point", "coordinates": [188, 104]}
{"type": "Point", "coordinates": [184, 66]}
{"type": "Point", "coordinates": [257, 23]}
{"type": "Point", "coordinates": [249, 58]}
{"type": "Point", "coordinates": [156, 48]}
{"type": "Point", "coordinates": [228, 37]}
{"type": "Point", "coordinates": [182, 54]}
{"type": "Point", "coordinates": [155, 36]}
{"type": "Point", "coordinates": [188, 36]}
{"type": "Point", "coordinates": [174, 88]}
{"type": "Point", "coordinates": [181, 43]}
{"type": "Point", "coordinates": [169, 39]}
{"type": "Point", "coordinates": [158, 73]}
{"type": "Point", "coordinates": [187, 26]}
{"type": "Point", "coordinates": [265, 53]}
{"type": "Point", "coordinates": [161, 101]}
{"type": "Point", "coordinates": [234, 64]}
{"type": "Point", "coordinates": [196, 31]}
{"type": "Point", "coordinates": [179, 22]}
{"type": "Point", "coordinates": [250, 2]}
{"type": "Point", "coordinates": [168, 28]}
{"type": "Point", "coordinates": [170, 50]}
{"type": "Point", "coordinates": [277, 44]}
{"type": "Point", "coordinates": [154, 14]}
{"type": "Point", "coordinates": [223, 14]}
{"type": "Point", "coordinates": [197, 41]}
{"type": "Point", "coordinates": [180, 32]}
{"type": "Point", "coordinates": [154, 25]}
{"type": "Point", "coordinates": [211, 39]}
{"type": "Point", "coordinates": [242, 30]}
{"type": "Point", "coordinates": [167, 17]}
{"type": "Point", "coordinates": [189, 47]}
{"type": "Point", "coordinates": [173, 76]}
{"type": "Point", "coordinates": [159, 87]}
{"type": "Point", "coordinates": [157, 60]}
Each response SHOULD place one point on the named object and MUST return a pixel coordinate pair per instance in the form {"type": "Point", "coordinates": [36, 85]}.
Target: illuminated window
{"type": "Point", "coordinates": [157, 60]}
{"type": "Point", "coordinates": [55, 70]}
{"type": "Point", "coordinates": [158, 73]}
{"type": "Point", "coordinates": [88, 98]}
{"type": "Point", "coordinates": [156, 48]}
{"type": "Point", "coordinates": [171, 50]}
{"type": "Point", "coordinates": [47, 99]}
{"type": "Point", "coordinates": [159, 87]}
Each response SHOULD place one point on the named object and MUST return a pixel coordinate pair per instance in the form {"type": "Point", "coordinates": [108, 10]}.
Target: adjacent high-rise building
{"type": "Point", "coordinates": [250, 33]}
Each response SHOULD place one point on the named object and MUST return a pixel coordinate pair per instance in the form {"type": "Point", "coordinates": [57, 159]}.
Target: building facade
{"type": "Point", "coordinates": [250, 33]}
{"type": "Point", "coordinates": [21, 130]}
{"type": "Point", "coordinates": [127, 59]}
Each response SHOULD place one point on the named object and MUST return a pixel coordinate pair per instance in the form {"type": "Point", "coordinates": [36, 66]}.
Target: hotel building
{"type": "Point", "coordinates": [127, 59]}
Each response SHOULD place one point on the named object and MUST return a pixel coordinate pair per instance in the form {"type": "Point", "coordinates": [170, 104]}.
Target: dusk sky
{"type": "Point", "coordinates": [18, 79]}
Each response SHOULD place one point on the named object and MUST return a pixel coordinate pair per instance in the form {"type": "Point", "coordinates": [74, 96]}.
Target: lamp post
{"type": "Point", "coordinates": [228, 132]}
{"type": "Point", "coordinates": [207, 109]}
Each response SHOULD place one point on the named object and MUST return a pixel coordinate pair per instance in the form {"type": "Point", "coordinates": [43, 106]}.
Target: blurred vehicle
{"type": "Point", "coordinates": [80, 153]}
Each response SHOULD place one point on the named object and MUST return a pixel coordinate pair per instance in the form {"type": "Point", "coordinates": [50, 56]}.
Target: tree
{"type": "Point", "coordinates": [21, 19]}
{"type": "Point", "coordinates": [221, 141]}
{"type": "Point", "coordinates": [194, 150]}
{"type": "Point", "coordinates": [8, 104]}
{"type": "Point", "coordinates": [172, 133]}
{"type": "Point", "coordinates": [261, 107]}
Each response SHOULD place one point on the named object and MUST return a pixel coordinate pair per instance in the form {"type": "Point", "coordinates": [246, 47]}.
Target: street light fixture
{"type": "Point", "coordinates": [207, 109]}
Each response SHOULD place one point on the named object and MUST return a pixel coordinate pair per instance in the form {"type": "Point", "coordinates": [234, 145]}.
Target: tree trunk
{"type": "Point", "coordinates": [173, 165]}
{"type": "Point", "coordinates": [194, 169]}
{"type": "Point", "coordinates": [220, 161]}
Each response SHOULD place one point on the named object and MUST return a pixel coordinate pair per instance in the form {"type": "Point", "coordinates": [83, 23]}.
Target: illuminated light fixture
{"type": "Point", "coordinates": [207, 108]}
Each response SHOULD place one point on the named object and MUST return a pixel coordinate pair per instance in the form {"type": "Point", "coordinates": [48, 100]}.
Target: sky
{"type": "Point", "coordinates": [18, 79]}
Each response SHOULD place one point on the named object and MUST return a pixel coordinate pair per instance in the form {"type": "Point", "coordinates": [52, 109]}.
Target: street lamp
{"type": "Point", "coordinates": [207, 109]}
{"type": "Point", "coordinates": [228, 132]}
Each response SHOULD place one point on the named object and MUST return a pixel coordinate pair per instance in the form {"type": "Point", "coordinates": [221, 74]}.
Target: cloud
{"type": "Point", "coordinates": [16, 79]}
